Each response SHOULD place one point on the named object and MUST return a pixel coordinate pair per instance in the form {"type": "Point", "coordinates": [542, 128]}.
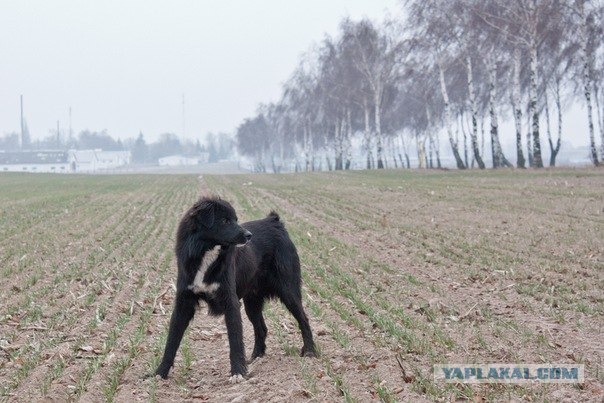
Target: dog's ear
{"type": "Point", "coordinates": [204, 213]}
{"type": "Point", "coordinates": [207, 219]}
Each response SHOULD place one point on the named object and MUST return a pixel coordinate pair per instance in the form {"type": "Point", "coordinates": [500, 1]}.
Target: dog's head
{"type": "Point", "coordinates": [216, 222]}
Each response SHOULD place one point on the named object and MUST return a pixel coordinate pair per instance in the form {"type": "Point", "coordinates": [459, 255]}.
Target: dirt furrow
{"type": "Point", "coordinates": [102, 285]}
{"type": "Point", "coordinates": [111, 281]}
{"type": "Point", "coordinates": [443, 309]}
{"type": "Point", "coordinates": [129, 344]}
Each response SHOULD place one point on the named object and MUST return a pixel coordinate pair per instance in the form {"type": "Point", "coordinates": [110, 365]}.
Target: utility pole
{"type": "Point", "coordinates": [58, 138]}
{"type": "Point", "coordinates": [22, 129]}
{"type": "Point", "coordinates": [183, 116]}
{"type": "Point", "coordinates": [70, 133]}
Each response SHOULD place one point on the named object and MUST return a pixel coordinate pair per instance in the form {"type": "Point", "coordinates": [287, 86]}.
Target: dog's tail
{"type": "Point", "coordinates": [273, 215]}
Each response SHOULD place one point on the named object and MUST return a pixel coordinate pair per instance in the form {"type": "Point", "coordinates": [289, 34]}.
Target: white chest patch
{"type": "Point", "coordinates": [198, 285]}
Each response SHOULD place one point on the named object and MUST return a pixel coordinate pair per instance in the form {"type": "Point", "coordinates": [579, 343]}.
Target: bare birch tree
{"type": "Point", "coordinates": [587, 17]}
{"type": "Point", "coordinates": [433, 39]}
{"type": "Point", "coordinates": [448, 66]}
{"type": "Point", "coordinates": [376, 56]}
{"type": "Point", "coordinates": [526, 22]}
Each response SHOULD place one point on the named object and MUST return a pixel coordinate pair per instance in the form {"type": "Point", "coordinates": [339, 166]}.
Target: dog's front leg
{"type": "Point", "coordinates": [184, 310]}
{"type": "Point", "coordinates": [232, 318]}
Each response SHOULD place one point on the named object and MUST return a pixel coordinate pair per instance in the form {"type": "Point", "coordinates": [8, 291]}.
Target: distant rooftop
{"type": "Point", "coordinates": [34, 157]}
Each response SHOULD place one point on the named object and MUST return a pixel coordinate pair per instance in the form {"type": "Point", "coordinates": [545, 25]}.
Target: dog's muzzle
{"type": "Point", "coordinates": [247, 235]}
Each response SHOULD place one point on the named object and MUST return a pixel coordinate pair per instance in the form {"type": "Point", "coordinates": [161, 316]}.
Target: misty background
{"type": "Point", "coordinates": [124, 66]}
{"type": "Point", "coordinates": [110, 74]}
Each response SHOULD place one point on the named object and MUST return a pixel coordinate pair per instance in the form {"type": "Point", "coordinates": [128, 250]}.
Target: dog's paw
{"type": "Point", "coordinates": [308, 353]}
{"type": "Point", "coordinates": [256, 355]}
{"type": "Point", "coordinates": [237, 378]}
{"type": "Point", "coordinates": [162, 371]}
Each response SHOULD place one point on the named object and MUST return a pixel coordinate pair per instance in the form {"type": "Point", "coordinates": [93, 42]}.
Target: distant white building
{"type": "Point", "coordinates": [98, 160]}
{"type": "Point", "coordinates": [56, 161]}
{"type": "Point", "coordinates": [179, 160]}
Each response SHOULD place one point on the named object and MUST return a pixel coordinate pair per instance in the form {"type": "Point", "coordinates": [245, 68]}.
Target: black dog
{"type": "Point", "coordinates": [219, 262]}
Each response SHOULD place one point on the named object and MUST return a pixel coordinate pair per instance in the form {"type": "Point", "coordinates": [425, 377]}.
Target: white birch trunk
{"type": "Point", "coordinates": [548, 130]}
{"type": "Point", "coordinates": [337, 144]}
{"type": "Point", "coordinates": [537, 160]}
{"type": "Point", "coordinates": [367, 135]}
{"type": "Point", "coordinates": [434, 135]}
{"type": "Point", "coordinates": [556, 148]}
{"type": "Point", "coordinates": [499, 159]}
{"type": "Point", "coordinates": [482, 134]}
{"type": "Point", "coordinates": [378, 125]}
{"type": "Point", "coordinates": [430, 150]}
{"type": "Point", "coordinates": [421, 152]}
{"type": "Point", "coordinates": [587, 86]}
{"type": "Point", "coordinates": [307, 146]}
{"type": "Point", "coordinates": [529, 136]}
{"type": "Point", "coordinates": [348, 143]}
{"type": "Point", "coordinates": [447, 110]}
{"type": "Point", "coordinates": [600, 120]}
{"type": "Point", "coordinates": [590, 124]}
{"type": "Point", "coordinates": [559, 109]}
{"type": "Point", "coordinates": [465, 138]}
{"type": "Point", "coordinates": [405, 151]}
{"type": "Point", "coordinates": [518, 109]}
{"type": "Point", "coordinates": [474, 112]}
{"type": "Point", "coordinates": [397, 146]}
{"type": "Point", "coordinates": [392, 151]}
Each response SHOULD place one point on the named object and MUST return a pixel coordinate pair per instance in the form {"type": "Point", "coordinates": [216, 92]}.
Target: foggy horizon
{"type": "Point", "coordinates": [124, 67]}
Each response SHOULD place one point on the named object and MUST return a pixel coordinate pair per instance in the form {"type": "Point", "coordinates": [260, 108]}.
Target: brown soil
{"type": "Point", "coordinates": [402, 270]}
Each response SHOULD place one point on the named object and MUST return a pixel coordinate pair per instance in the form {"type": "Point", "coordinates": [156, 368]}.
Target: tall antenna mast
{"type": "Point", "coordinates": [70, 133]}
{"type": "Point", "coordinates": [22, 129]}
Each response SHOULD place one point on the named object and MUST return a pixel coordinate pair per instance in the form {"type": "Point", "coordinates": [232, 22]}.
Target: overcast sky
{"type": "Point", "coordinates": [124, 65]}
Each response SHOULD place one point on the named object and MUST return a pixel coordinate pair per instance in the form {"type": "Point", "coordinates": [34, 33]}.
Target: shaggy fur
{"type": "Point", "coordinates": [221, 262]}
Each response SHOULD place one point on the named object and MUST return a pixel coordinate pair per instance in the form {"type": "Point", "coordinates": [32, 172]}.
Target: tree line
{"type": "Point", "coordinates": [450, 68]}
{"type": "Point", "coordinates": [218, 146]}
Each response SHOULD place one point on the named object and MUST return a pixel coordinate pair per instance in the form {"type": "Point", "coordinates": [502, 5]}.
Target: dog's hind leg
{"type": "Point", "coordinates": [294, 304]}
{"type": "Point", "coordinates": [184, 310]}
{"type": "Point", "coordinates": [253, 308]}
